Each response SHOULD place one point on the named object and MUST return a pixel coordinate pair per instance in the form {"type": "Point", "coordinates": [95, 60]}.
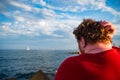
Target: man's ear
{"type": "Point", "coordinates": [82, 42]}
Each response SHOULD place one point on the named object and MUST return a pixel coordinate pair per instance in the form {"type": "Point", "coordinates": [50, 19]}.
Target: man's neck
{"type": "Point", "coordinates": [97, 48]}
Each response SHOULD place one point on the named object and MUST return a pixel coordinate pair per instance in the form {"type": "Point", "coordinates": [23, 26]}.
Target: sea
{"type": "Point", "coordinates": [22, 64]}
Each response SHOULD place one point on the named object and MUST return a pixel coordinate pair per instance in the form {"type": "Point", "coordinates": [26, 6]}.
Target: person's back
{"type": "Point", "coordinates": [98, 59]}
{"type": "Point", "coordinates": [100, 66]}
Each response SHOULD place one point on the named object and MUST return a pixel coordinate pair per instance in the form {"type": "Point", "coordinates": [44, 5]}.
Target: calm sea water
{"type": "Point", "coordinates": [22, 64]}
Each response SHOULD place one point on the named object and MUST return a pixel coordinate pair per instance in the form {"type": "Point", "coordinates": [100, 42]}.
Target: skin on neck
{"type": "Point", "coordinates": [93, 48]}
{"type": "Point", "coordinates": [97, 48]}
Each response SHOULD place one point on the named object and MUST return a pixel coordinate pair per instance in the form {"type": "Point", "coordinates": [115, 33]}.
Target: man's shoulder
{"type": "Point", "coordinates": [73, 59]}
{"type": "Point", "coordinates": [116, 48]}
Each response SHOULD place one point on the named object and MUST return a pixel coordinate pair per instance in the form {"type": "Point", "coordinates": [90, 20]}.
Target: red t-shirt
{"type": "Point", "coordinates": [100, 66]}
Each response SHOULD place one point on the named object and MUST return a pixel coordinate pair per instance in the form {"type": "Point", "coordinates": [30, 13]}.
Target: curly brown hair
{"type": "Point", "coordinates": [92, 31]}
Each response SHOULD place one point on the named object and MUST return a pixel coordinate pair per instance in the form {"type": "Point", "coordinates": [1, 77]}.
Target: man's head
{"type": "Point", "coordinates": [92, 32]}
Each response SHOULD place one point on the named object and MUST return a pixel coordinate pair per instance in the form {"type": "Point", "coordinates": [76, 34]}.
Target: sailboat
{"type": "Point", "coordinates": [28, 49]}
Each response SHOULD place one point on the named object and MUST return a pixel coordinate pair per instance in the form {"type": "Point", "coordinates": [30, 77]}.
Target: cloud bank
{"type": "Point", "coordinates": [49, 18]}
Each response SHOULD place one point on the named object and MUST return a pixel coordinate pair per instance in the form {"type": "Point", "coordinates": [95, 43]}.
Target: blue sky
{"type": "Point", "coordinates": [48, 24]}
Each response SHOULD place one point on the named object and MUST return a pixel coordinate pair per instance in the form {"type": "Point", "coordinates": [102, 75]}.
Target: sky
{"type": "Point", "coordinates": [48, 24]}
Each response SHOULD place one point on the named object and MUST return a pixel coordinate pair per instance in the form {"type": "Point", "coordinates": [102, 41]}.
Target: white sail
{"type": "Point", "coordinates": [28, 49]}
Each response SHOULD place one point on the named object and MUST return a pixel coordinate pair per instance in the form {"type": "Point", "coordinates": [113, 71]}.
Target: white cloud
{"type": "Point", "coordinates": [111, 10]}
{"type": "Point", "coordinates": [21, 5]}
{"type": "Point", "coordinates": [24, 25]}
{"type": "Point", "coordinates": [47, 28]}
{"type": "Point", "coordinates": [18, 18]}
{"type": "Point", "coordinates": [117, 29]}
{"type": "Point", "coordinates": [8, 29]}
{"type": "Point", "coordinates": [101, 5]}
{"type": "Point", "coordinates": [48, 12]}
{"type": "Point", "coordinates": [30, 25]}
{"type": "Point", "coordinates": [81, 5]}
{"type": "Point", "coordinates": [42, 3]}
